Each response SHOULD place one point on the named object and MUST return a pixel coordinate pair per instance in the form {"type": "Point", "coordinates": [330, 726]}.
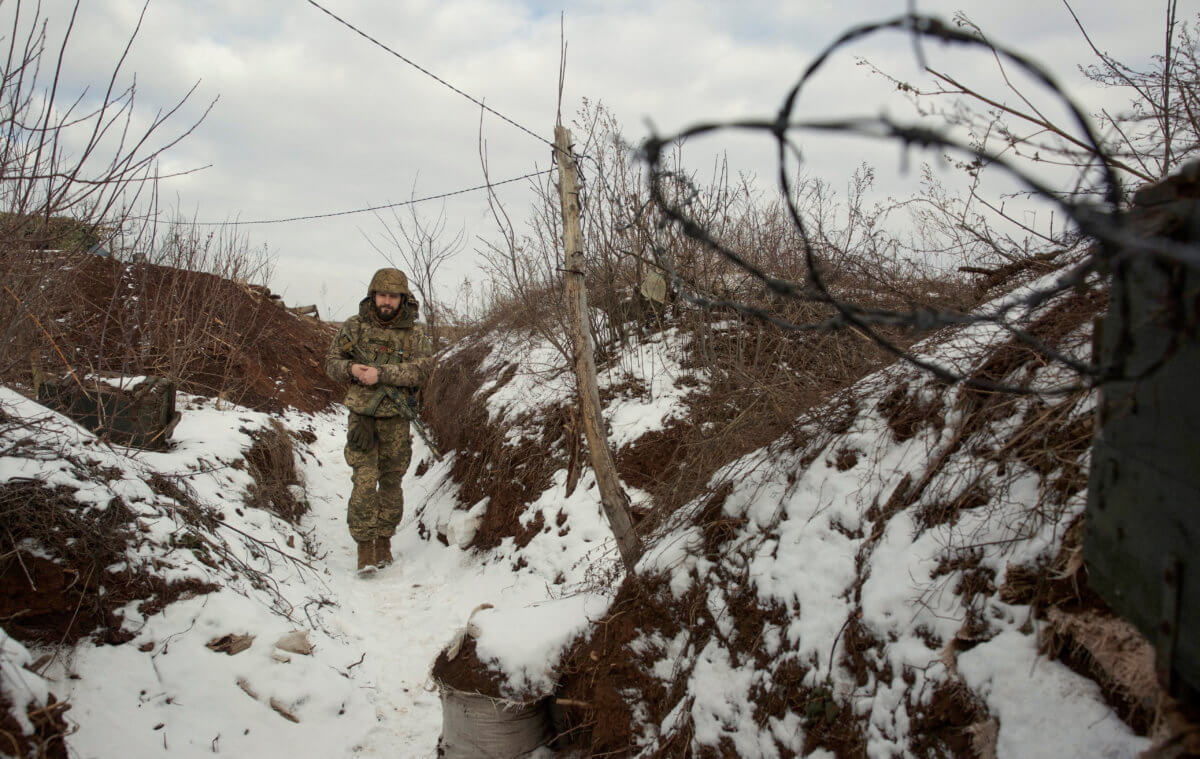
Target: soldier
{"type": "Point", "coordinates": [385, 357]}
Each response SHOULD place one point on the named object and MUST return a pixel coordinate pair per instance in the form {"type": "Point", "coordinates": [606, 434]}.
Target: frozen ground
{"type": "Point", "coordinates": [365, 691]}
{"type": "Point", "coordinates": [365, 688]}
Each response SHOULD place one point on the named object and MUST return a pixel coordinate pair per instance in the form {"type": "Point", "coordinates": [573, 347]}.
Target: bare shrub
{"type": "Point", "coordinates": [523, 276]}
{"type": "Point", "coordinates": [92, 287]}
{"type": "Point", "coordinates": [53, 199]}
{"type": "Point", "coordinates": [755, 377]}
{"type": "Point", "coordinates": [1156, 133]}
{"type": "Point", "coordinates": [271, 461]}
{"type": "Point", "coordinates": [424, 245]}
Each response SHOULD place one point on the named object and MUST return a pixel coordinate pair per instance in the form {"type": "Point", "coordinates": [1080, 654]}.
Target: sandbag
{"type": "Point", "coordinates": [483, 727]}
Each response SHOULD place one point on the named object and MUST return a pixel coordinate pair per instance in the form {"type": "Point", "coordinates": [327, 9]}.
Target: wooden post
{"type": "Point", "coordinates": [612, 496]}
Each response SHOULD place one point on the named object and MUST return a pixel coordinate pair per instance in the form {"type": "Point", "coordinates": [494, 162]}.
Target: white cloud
{"type": "Point", "coordinates": [312, 118]}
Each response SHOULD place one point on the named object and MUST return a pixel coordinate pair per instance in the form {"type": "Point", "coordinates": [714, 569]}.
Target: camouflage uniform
{"type": "Point", "coordinates": [400, 351]}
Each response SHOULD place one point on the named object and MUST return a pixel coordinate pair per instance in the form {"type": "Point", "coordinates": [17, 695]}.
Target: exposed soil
{"type": "Point", "coordinates": [601, 671]}
{"type": "Point", "coordinates": [486, 465]}
{"type": "Point", "coordinates": [272, 463]}
{"type": "Point", "coordinates": [1060, 583]}
{"type": "Point", "coordinates": [718, 528]}
{"type": "Point", "coordinates": [941, 729]}
{"type": "Point", "coordinates": [73, 594]}
{"type": "Point", "coordinates": [467, 673]}
{"type": "Point", "coordinates": [50, 729]}
{"type": "Point", "coordinates": [211, 336]}
{"type": "Point", "coordinates": [934, 513]}
{"type": "Point", "coordinates": [908, 411]}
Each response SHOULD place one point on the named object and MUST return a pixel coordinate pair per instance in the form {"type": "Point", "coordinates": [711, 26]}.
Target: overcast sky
{"type": "Point", "coordinates": [311, 118]}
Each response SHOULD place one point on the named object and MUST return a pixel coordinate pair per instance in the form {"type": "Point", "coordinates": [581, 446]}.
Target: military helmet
{"type": "Point", "coordinates": [389, 281]}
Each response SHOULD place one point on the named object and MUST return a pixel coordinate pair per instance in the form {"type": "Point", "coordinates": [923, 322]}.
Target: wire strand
{"type": "Point", "coordinates": [426, 72]}
{"type": "Point", "coordinates": [367, 209]}
{"type": "Point", "coordinates": [671, 193]}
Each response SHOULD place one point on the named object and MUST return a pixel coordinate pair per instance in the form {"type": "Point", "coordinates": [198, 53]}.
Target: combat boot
{"type": "Point", "coordinates": [367, 563]}
{"type": "Point", "coordinates": [383, 552]}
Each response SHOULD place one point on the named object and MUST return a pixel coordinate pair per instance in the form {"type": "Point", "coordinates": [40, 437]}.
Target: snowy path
{"type": "Point", "coordinates": [404, 615]}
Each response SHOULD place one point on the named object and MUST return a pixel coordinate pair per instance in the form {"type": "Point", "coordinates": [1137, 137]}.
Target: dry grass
{"type": "Point", "coordinates": [50, 729]}
{"type": "Point", "coordinates": [1112, 652]}
{"type": "Point", "coordinates": [272, 463]}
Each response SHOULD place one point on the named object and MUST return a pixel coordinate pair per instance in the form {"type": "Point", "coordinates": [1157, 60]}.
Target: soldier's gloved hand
{"type": "Point", "coordinates": [361, 434]}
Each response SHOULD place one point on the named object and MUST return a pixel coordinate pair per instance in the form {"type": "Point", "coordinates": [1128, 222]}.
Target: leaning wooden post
{"type": "Point", "coordinates": [612, 496]}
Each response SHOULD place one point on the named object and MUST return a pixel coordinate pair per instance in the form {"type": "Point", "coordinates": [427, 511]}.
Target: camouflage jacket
{"type": "Point", "coordinates": [400, 351]}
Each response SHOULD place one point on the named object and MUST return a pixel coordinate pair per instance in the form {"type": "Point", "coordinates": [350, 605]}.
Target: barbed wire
{"type": "Point", "coordinates": [385, 206]}
{"type": "Point", "coordinates": [367, 209]}
{"type": "Point", "coordinates": [1104, 221]}
{"type": "Point", "coordinates": [427, 72]}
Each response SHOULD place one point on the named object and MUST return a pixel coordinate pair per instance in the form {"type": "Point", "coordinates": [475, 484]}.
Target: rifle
{"type": "Point", "coordinates": [396, 396]}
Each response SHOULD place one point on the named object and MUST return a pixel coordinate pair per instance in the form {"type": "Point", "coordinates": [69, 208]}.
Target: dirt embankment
{"type": "Point", "coordinates": [610, 678]}
{"type": "Point", "coordinates": [210, 335]}
{"type": "Point", "coordinates": [65, 568]}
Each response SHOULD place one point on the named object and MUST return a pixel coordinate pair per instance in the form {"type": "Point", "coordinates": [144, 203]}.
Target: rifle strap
{"type": "Point", "coordinates": [373, 404]}
{"type": "Point", "coordinates": [351, 347]}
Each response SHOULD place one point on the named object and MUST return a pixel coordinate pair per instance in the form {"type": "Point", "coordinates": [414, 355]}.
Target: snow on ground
{"type": "Point", "coordinates": [365, 689]}
{"type": "Point", "coordinates": [1064, 716]}
{"type": "Point", "coordinates": [22, 688]}
{"type": "Point", "coordinates": [651, 368]}
{"type": "Point", "coordinates": [645, 380]}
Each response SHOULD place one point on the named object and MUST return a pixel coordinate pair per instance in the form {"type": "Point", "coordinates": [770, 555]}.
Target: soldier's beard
{"type": "Point", "coordinates": [385, 313]}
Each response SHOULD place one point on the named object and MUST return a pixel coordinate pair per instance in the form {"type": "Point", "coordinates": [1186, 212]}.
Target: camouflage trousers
{"type": "Point", "coordinates": [376, 500]}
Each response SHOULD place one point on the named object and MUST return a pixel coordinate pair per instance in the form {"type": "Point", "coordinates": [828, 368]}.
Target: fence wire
{"type": "Point", "coordinates": [1099, 217]}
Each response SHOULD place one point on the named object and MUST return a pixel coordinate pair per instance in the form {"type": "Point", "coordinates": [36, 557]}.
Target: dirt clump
{"type": "Point", "coordinates": [718, 528]}
{"type": "Point", "coordinates": [601, 672]}
{"type": "Point", "coordinates": [949, 725]}
{"type": "Point", "coordinates": [467, 673]}
{"type": "Point", "coordinates": [78, 578]}
{"type": "Point", "coordinates": [271, 461]}
{"type": "Point", "coordinates": [50, 728]}
{"type": "Point", "coordinates": [909, 410]}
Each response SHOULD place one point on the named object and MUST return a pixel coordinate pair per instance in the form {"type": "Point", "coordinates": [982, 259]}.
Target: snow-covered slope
{"type": "Point", "coordinates": [364, 689]}
{"type": "Point", "coordinates": [861, 586]}
{"type": "Point", "coordinates": [848, 591]}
